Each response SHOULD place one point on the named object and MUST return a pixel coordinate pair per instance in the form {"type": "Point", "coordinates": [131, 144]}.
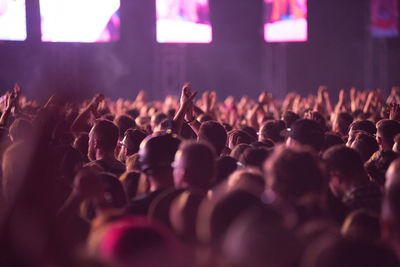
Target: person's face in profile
{"type": "Point", "coordinates": [91, 147]}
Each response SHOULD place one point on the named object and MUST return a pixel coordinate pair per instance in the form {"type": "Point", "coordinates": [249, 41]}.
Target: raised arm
{"type": "Point", "coordinates": [80, 123]}
{"type": "Point", "coordinates": [185, 101]}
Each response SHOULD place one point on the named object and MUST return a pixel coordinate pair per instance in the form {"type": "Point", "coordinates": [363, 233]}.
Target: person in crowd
{"type": "Point", "coordinates": [349, 182]}
{"type": "Point", "coordinates": [380, 161]}
{"type": "Point", "coordinates": [103, 138]}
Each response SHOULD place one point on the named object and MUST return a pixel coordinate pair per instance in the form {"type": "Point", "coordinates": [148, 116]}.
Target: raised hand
{"type": "Point", "coordinates": [187, 95]}
{"type": "Point", "coordinates": [94, 104]}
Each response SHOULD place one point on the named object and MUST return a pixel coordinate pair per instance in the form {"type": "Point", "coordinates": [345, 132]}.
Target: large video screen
{"type": "Point", "coordinates": [183, 21]}
{"type": "Point", "coordinates": [12, 20]}
{"type": "Point", "coordinates": [285, 21]}
{"type": "Point", "coordinates": [87, 21]}
{"type": "Point", "coordinates": [384, 18]}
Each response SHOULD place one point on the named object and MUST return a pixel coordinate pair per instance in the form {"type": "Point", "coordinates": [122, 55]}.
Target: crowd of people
{"type": "Point", "coordinates": [200, 182]}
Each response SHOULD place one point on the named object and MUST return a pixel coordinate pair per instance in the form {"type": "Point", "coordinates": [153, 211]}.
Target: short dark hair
{"type": "Point", "coordinates": [387, 129]}
{"type": "Point", "coordinates": [214, 133]}
{"type": "Point", "coordinates": [364, 125]}
{"type": "Point", "coordinates": [289, 117]}
{"type": "Point", "coordinates": [272, 130]}
{"type": "Point", "coordinates": [344, 120]}
{"type": "Point", "coordinates": [345, 160]}
{"type": "Point", "coordinates": [295, 172]}
{"type": "Point", "coordinates": [124, 122]}
{"type": "Point", "coordinates": [106, 132]}
{"type": "Point", "coordinates": [365, 144]}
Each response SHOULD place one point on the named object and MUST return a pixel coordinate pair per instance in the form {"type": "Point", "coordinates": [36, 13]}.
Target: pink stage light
{"type": "Point", "coordinates": [86, 21]}
{"type": "Point", "coordinates": [183, 21]}
{"type": "Point", "coordinates": [12, 20]}
{"type": "Point", "coordinates": [285, 21]}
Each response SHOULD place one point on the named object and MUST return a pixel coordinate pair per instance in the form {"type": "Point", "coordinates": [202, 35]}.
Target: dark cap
{"type": "Point", "coordinates": [157, 152]}
{"type": "Point", "coordinates": [306, 132]}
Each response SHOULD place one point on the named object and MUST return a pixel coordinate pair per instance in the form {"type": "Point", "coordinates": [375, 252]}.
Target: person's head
{"type": "Point", "coordinates": [293, 173]}
{"type": "Point", "coordinates": [238, 150]}
{"type": "Point", "coordinates": [156, 120]}
{"type": "Point", "coordinates": [361, 225]}
{"type": "Point", "coordinates": [156, 155]}
{"type": "Point", "coordinates": [130, 143]}
{"type": "Point", "coordinates": [289, 117]}
{"type": "Point", "coordinates": [249, 179]}
{"type": "Point", "coordinates": [135, 241]}
{"type": "Point", "coordinates": [341, 123]}
{"type": "Point", "coordinates": [194, 166]}
{"type": "Point", "coordinates": [124, 122]}
{"type": "Point", "coordinates": [331, 139]}
{"type": "Point", "coordinates": [272, 130]}
{"type": "Point", "coordinates": [305, 132]}
{"type": "Point", "coordinates": [19, 129]}
{"type": "Point", "coordinates": [81, 143]}
{"type": "Point", "coordinates": [329, 251]}
{"type": "Point", "coordinates": [103, 138]}
{"type": "Point", "coordinates": [254, 157]}
{"type": "Point", "coordinates": [236, 137]}
{"type": "Point", "coordinates": [386, 131]}
{"type": "Point", "coordinates": [345, 168]}
{"type": "Point", "coordinates": [363, 125]}
{"type": "Point", "coordinates": [365, 144]}
{"type": "Point", "coordinates": [259, 238]}
{"type": "Point", "coordinates": [214, 133]}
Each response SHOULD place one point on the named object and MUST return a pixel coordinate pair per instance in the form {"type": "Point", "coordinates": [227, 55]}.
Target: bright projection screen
{"type": "Point", "coordinates": [87, 21]}
{"type": "Point", "coordinates": [12, 20]}
{"type": "Point", "coordinates": [285, 20]}
{"type": "Point", "coordinates": [183, 21]}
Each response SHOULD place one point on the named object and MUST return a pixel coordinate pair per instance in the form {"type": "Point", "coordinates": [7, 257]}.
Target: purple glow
{"type": "Point", "coordinates": [285, 21]}
{"type": "Point", "coordinates": [12, 20]}
{"type": "Point", "coordinates": [80, 20]}
{"type": "Point", "coordinates": [183, 21]}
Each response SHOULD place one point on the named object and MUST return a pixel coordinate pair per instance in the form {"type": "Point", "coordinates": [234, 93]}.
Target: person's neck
{"type": "Point", "coordinates": [101, 154]}
{"type": "Point", "coordinates": [157, 183]}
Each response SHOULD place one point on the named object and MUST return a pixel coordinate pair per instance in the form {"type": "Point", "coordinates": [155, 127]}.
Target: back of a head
{"type": "Point", "coordinates": [362, 226]}
{"type": "Point", "coordinates": [254, 157]}
{"type": "Point", "coordinates": [237, 137]}
{"type": "Point", "coordinates": [306, 132]}
{"type": "Point", "coordinates": [365, 144]}
{"type": "Point", "coordinates": [344, 160]}
{"type": "Point", "coordinates": [124, 122]}
{"type": "Point", "coordinates": [272, 130]}
{"type": "Point", "coordinates": [258, 238]}
{"type": "Point", "coordinates": [238, 150]}
{"type": "Point", "coordinates": [81, 143]}
{"type": "Point", "coordinates": [107, 134]}
{"type": "Point", "coordinates": [348, 253]}
{"type": "Point", "coordinates": [225, 166]}
{"type": "Point", "coordinates": [344, 120]}
{"type": "Point", "coordinates": [157, 152]}
{"type": "Point", "coordinates": [330, 140]}
{"type": "Point", "coordinates": [364, 125]}
{"type": "Point", "coordinates": [214, 133]}
{"type": "Point", "coordinates": [136, 241]}
{"type": "Point", "coordinates": [132, 140]}
{"type": "Point", "coordinates": [289, 117]}
{"type": "Point", "coordinates": [294, 172]}
{"type": "Point", "coordinates": [387, 130]}
{"type": "Point", "coordinates": [199, 162]}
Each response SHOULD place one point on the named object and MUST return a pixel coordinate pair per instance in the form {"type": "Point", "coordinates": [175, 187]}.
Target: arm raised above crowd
{"type": "Point", "coordinates": [80, 123]}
